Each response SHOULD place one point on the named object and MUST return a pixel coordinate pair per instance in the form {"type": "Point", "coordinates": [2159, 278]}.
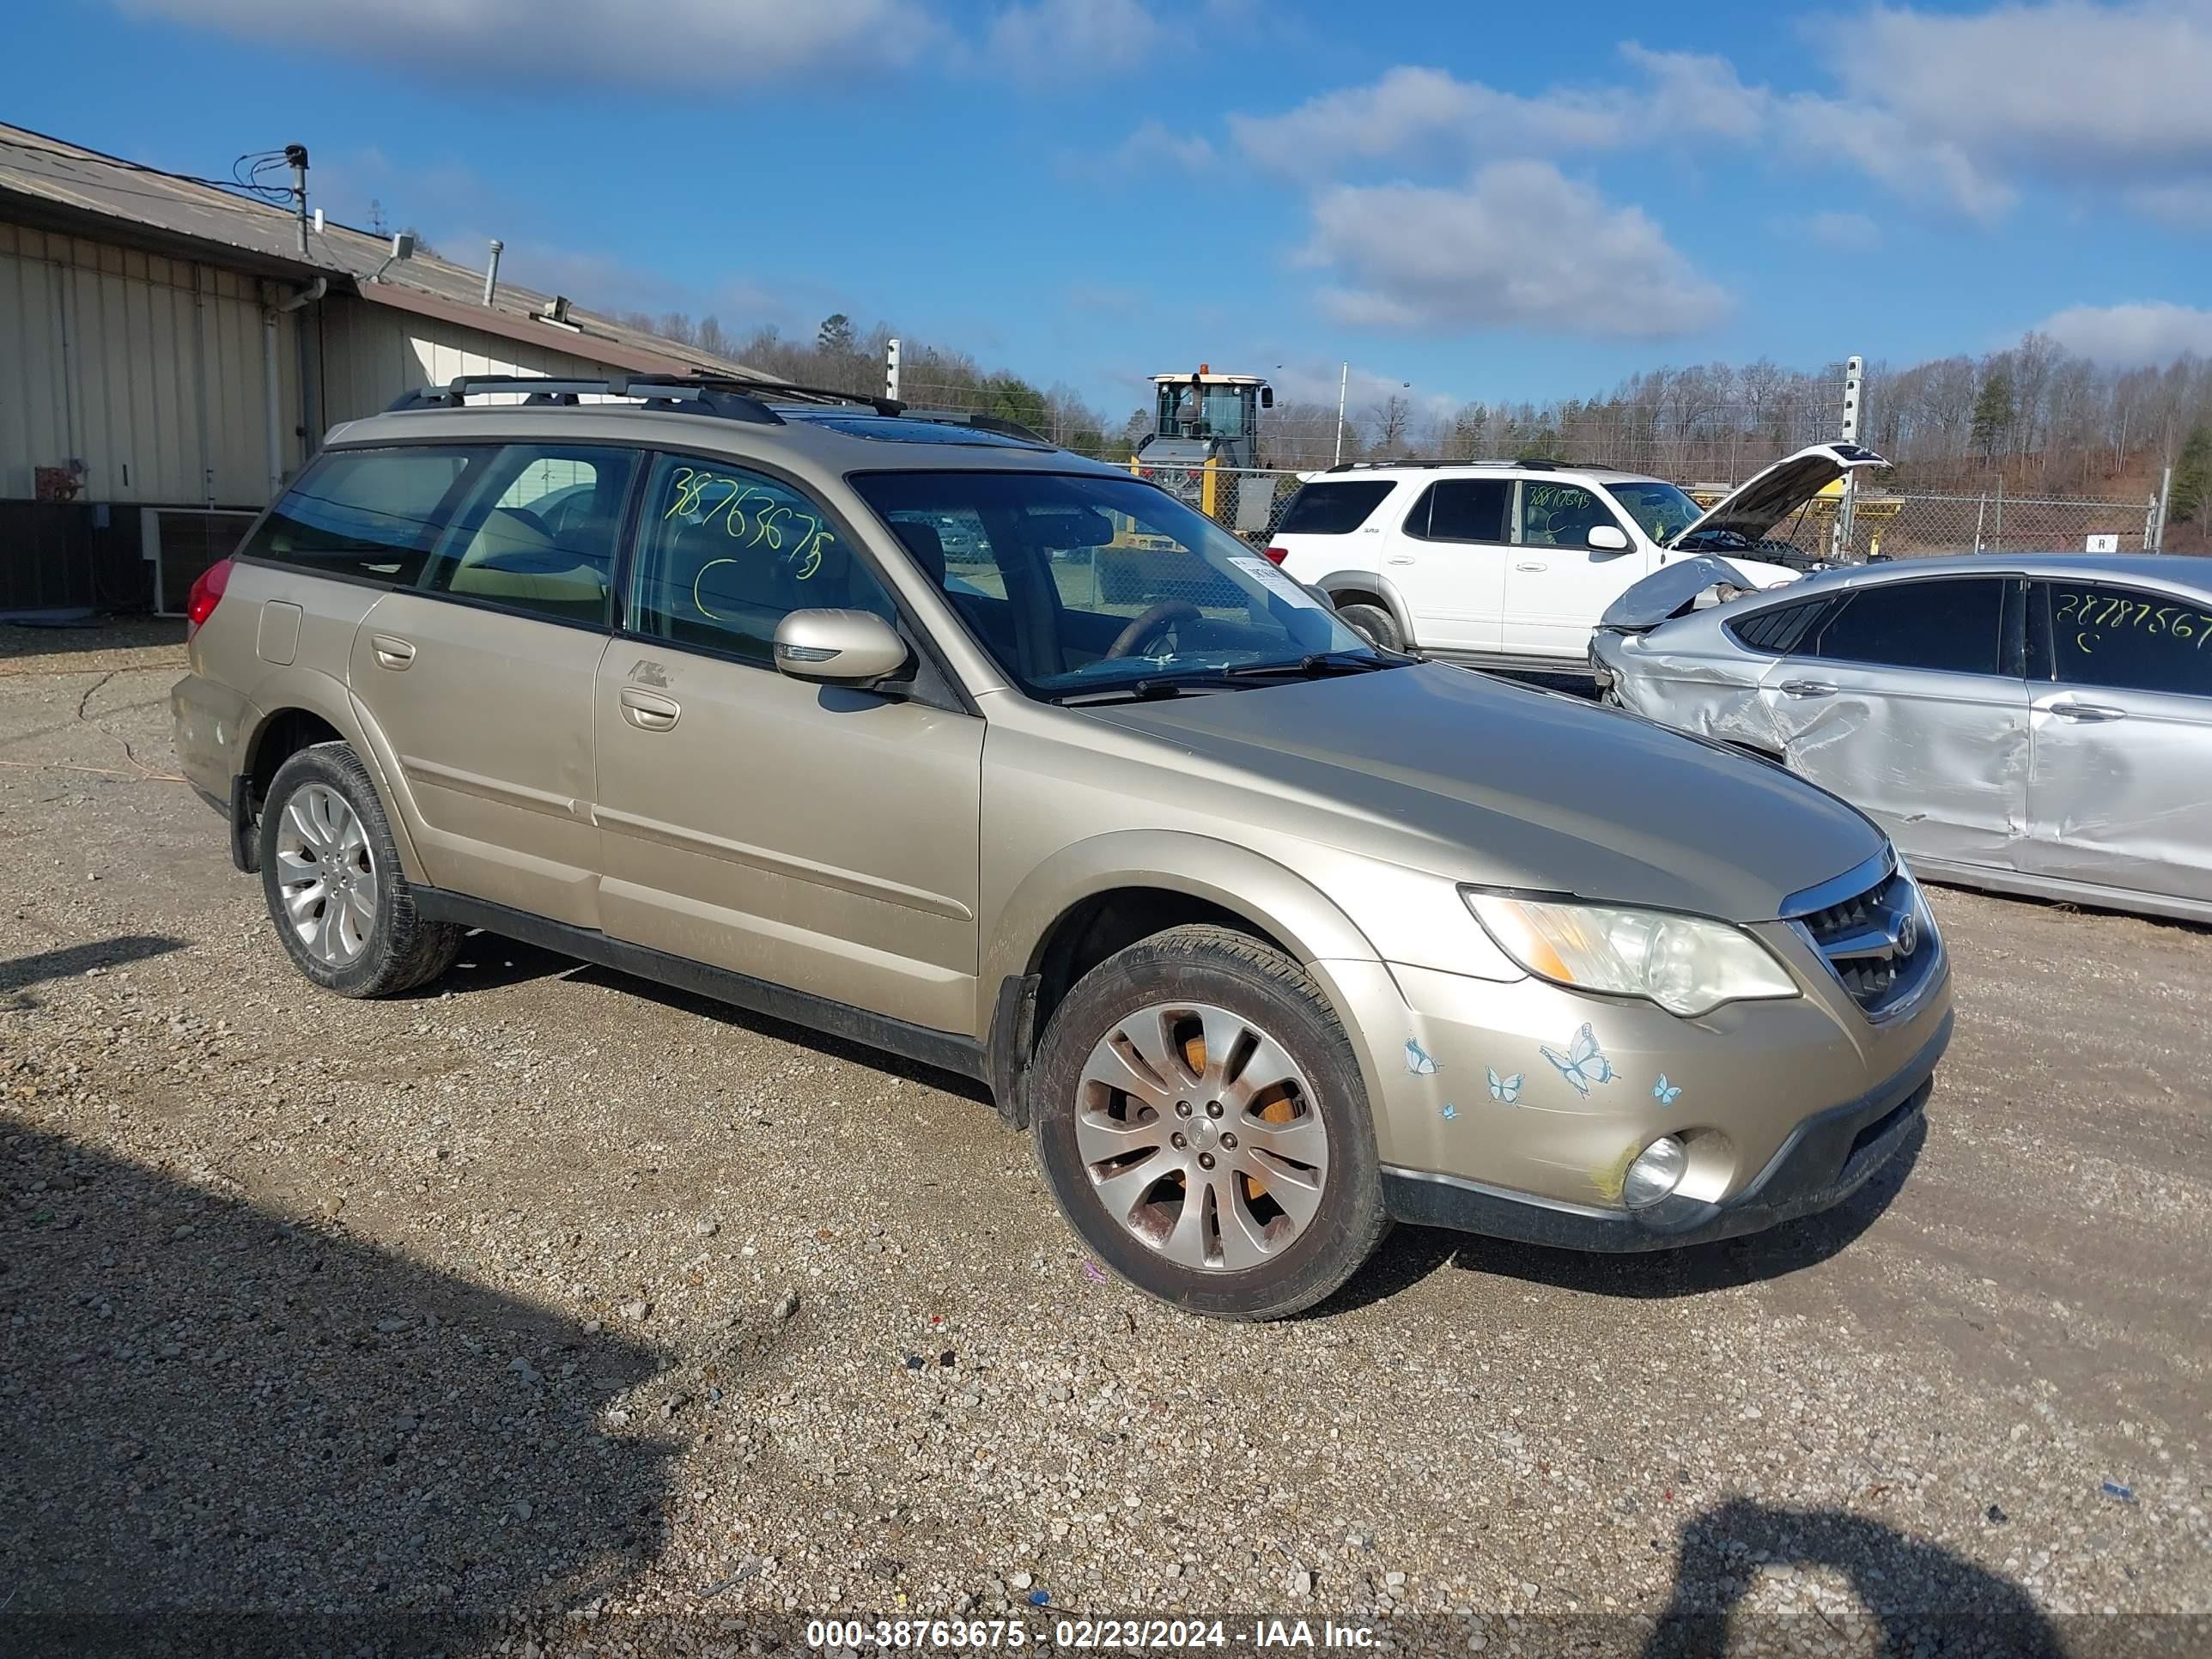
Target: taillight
{"type": "Point", "coordinates": [1277, 555]}
{"type": "Point", "coordinates": [207, 593]}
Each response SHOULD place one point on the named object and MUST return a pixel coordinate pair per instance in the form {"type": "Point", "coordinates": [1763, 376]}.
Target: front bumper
{"type": "Point", "coordinates": [1826, 1158]}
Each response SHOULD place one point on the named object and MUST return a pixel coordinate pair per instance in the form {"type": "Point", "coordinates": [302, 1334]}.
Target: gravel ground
{"type": "Point", "coordinates": [547, 1307]}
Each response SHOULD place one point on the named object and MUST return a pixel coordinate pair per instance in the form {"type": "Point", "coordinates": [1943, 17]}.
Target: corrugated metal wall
{"type": "Point", "coordinates": [373, 352]}
{"type": "Point", "coordinates": [147, 369]}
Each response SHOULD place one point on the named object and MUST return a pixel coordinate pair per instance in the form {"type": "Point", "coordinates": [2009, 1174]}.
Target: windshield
{"type": "Point", "coordinates": [1078, 584]}
{"type": "Point", "coordinates": [1660, 509]}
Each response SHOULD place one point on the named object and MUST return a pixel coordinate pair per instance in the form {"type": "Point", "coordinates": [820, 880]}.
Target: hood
{"type": "Point", "coordinates": [1672, 590]}
{"type": "Point", "coordinates": [1483, 780]}
{"type": "Point", "coordinates": [1753, 509]}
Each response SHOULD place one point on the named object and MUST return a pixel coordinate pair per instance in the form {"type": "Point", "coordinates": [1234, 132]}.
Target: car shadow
{"type": "Point", "coordinates": [1925, 1598]}
{"type": "Point", "coordinates": [19, 974]}
{"type": "Point", "coordinates": [232, 1431]}
{"type": "Point", "coordinates": [1411, 1254]}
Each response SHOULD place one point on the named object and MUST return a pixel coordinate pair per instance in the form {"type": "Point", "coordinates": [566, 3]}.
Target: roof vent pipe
{"type": "Point", "coordinates": [491, 270]}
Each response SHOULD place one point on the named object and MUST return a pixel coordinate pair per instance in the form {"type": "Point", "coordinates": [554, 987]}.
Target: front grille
{"type": "Point", "coordinates": [1863, 938]}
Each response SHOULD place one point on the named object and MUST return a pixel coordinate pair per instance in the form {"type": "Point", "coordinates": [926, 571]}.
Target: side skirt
{"type": "Point", "coordinates": [947, 1050]}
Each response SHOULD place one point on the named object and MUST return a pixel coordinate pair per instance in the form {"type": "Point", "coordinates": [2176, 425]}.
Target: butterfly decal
{"type": "Point", "coordinates": [1505, 1090]}
{"type": "Point", "coordinates": [1583, 1064]}
{"type": "Point", "coordinates": [1416, 1060]}
{"type": "Point", "coordinates": [1663, 1092]}
{"type": "Point", "coordinates": [1450, 1111]}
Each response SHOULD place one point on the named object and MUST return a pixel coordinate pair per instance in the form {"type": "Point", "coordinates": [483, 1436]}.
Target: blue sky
{"type": "Point", "coordinates": [1484, 201]}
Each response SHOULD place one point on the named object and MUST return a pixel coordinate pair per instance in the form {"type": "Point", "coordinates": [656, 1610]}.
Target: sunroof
{"type": "Point", "coordinates": [892, 430]}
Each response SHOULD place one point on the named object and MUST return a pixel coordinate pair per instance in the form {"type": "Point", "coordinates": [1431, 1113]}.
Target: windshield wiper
{"type": "Point", "coordinates": [1314, 666]}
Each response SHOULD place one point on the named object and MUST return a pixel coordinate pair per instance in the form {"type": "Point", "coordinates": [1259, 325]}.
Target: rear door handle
{"type": "Point", "coordinates": [648, 711]}
{"type": "Point", "coordinates": [1807, 689]}
{"type": "Point", "coordinates": [391, 651]}
{"type": "Point", "coordinates": [1398, 558]}
{"type": "Point", "coordinates": [1532, 567]}
{"type": "Point", "coordinates": [2088, 713]}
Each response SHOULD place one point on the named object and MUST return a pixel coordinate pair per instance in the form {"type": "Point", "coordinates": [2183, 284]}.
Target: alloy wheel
{"type": "Point", "coordinates": [326, 875]}
{"type": "Point", "coordinates": [1201, 1135]}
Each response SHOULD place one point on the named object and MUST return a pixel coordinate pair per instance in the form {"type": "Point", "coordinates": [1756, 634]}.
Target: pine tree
{"type": "Point", "coordinates": [1994, 414]}
{"type": "Point", "coordinates": [835, 333]}
{"type": "Point", "coordinates": [2192, 478]}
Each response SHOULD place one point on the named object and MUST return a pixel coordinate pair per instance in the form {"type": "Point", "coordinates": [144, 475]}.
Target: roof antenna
{"type": "Point", "coordinates": [403, 247]}
{"type": "Point", "coordinates": [297, 155]}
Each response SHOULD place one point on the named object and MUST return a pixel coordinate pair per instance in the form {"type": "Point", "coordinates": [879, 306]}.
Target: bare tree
{"type": "Point", "coordinates": [1390, 417]}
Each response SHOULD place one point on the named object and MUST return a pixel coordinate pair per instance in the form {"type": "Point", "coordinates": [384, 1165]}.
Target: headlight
{"type": "Point", "coordinates": [1686, 965]}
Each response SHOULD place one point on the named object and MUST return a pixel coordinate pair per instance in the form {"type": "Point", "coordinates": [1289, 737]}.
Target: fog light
{"type": "Point", "coordinates": [1658, 1169]}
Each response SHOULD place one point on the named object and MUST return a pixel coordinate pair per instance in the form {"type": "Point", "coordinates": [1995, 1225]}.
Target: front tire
{"type": "Point", "coordinates": [1200, 1118]}
{"type": "Point", "coordinates": [1374, 624]}
{"type": "Point", "coordinates": [329, 872]}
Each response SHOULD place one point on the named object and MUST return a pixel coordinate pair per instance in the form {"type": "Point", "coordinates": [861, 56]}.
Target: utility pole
{"type": "Point", "coordinates": [890, 370]}
{"type": "Point", "coordinates": [1846, 509]}
{"type": "Point", "coordinates": [2155, 541]}
{"type": "Point", "coordinates": [297, 155]}
{"type": "Point", "coordinates": [1343, 382]}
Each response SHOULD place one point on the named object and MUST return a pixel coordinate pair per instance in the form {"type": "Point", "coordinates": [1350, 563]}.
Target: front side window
{"type": "Point", "coordinates": [1559, 514]}
{"type": "Point", "coordinates": [724, 554]}
{"type": "Point", "coordinates": [537, 532]}
{"type": "Point", "coordinates": [1333, 509]}
{"type": "Point", "coordinates": [371, 513]}
{"type": "Point", "coordinates": [1660, 510]}
{"type": "Point", "coordinates": [1778, 628]}
{"type": "Point", "coordinates": [1078, 583]}
{"type": "Point", "coordinates": [1955, 626]}
{"type": "Point", "coordinates": [2127, 640]}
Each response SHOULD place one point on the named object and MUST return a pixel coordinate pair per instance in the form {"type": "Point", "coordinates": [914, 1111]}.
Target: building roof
{"type": "Point", "coordinates": [55, 184]}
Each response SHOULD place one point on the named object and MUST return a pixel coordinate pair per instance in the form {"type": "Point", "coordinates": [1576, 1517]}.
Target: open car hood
{"type": "Point", "coordinates": [1772, 495]}
{"type": "Point", "coordinates": [1671, 590]}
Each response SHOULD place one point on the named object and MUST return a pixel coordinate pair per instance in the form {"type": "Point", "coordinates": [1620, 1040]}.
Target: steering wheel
{"type": "Point", "coordinates": [1153, 621]}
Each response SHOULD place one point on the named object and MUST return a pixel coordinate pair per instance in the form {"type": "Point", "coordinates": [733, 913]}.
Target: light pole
{"type": "Point", "coordinates": [1343, 381]}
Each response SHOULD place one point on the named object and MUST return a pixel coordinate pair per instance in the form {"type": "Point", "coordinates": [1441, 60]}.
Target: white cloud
{"type": "Point", "coordinates": [1955, 113]}
{"type": "Point", "coordinates": [1521, 246]}
{"type": "Point", "coordinates": [1154, 145]}
{"type": "Point", "coordinates": [2127, 336]}
{"type": "Point", "coordinates": [700, 46]}
{"type": "Point", "coordinates": [2068, 88]}
{"type": "Point", "coordinates": [1048, 42]}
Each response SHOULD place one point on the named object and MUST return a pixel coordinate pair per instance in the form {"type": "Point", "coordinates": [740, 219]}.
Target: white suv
{"type": "Point", "coordinates": [1512, 563]}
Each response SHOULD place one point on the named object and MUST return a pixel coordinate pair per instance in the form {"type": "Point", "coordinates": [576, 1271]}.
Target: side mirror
{"type": "Point", "coordinates": [1266, 397]}
{"type": "Point", "coordinates": [1607, 539]}
{"type": "Point", "coordinates": [839, 647]}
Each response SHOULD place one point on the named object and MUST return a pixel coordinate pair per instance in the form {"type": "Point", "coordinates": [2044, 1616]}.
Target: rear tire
{"type": "Point", "coordinates": [1374, 624]}
{"type": "Point", "coordinates": [329, 872]}
{"type": "Point", "coordinates": [1243, 1069]}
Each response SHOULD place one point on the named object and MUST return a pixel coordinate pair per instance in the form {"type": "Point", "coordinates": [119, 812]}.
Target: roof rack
{"type": "Point", "coordinates": [981, 423]}
{"type": "Point", "coordinates": [707, 395]}
{"type": "Point", "coordinates": [1432, 466]}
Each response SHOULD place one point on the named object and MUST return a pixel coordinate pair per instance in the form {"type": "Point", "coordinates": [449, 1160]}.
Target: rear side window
{"type": "Point", "coordinates": [372, 514]}
{"type": "Point", "coordinates": [1333, 509]}
{"type": "Point", "coordinates": [1461, 510]}
{"type": "Point", "coordinates": [537, 532]}
{"type": "Point", "coordinates": [1779, 628]}
{"type": "Point", "coordinates": [2126, 640]}
{"type": "Point", "coordinates": [1955, 626]}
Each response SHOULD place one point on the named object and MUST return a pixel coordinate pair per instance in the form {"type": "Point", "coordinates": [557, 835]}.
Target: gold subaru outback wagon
{"type": "Point", "coordinates": [921, 732]}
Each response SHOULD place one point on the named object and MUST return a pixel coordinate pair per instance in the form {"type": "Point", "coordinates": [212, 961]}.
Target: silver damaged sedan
{"type": "Point", "coordinates": [2037, 724]}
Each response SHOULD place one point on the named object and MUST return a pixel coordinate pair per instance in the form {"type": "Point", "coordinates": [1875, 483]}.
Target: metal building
{"type": "Point", "coordinates": [171, 352]}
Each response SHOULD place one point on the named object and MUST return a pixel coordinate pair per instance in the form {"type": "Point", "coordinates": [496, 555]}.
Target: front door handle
{"type": "Point", "coordinates": [391, 651]}
{"type": "Point", "coordinates": [1398, 558]}
{"type": "Point", "coordinates": [1532, 567]}
{"type": "Point", "coordinates": [1807, 689]}
{"type": "Point", "coordinates": [648, 711]}
{"type": "Point", "coordinates": [2088, 713]}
